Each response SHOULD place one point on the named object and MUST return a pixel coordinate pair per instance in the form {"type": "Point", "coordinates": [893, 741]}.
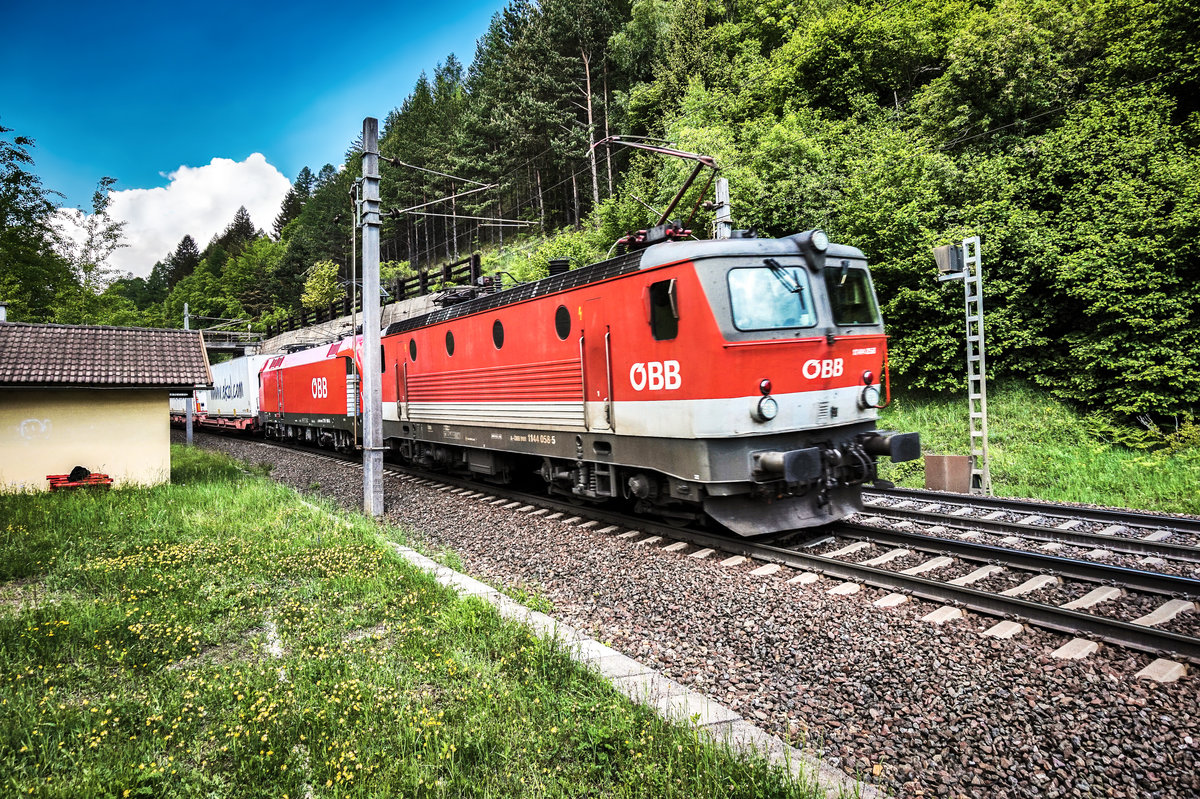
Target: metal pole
{"type": "Point", "coordinates": [187, 325]}
{"type": "Point", "coordinates": [965, 262]}
{"type": "Point", "coordinates": [723, 224]}
{"type": "Point", "coordinates": [355, 221]}
{"type": "Point", "coordinates": [371, 361]}
{"type": "Point", "coordinates": [981, 470]}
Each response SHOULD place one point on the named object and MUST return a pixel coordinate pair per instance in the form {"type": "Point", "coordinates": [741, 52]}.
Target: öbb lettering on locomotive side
{"type": "Point", "coordinates": [655, 376]}
{"type": "Point", "coordinates": [735, 381]}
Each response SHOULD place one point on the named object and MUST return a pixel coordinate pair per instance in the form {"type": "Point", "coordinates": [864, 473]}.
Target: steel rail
{"type": "Point", "coordinates": [1180, 524]}
{"type": "Point", "coordinates": [1129, 546]}
{"type": "Point", "coordinates": [1135, 579]}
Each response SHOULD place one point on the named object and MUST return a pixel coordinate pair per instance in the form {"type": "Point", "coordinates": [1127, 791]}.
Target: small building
{"type": "Point", "coordinates": [96, 397]}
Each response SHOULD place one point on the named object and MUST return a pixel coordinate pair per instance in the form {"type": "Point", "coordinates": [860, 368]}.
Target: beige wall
{"type": "Point", "coordinates": [123, 433]}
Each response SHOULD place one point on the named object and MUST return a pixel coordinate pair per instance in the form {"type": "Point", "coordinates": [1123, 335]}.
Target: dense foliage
{"type": "Point", "coordinates": [1065, 133]}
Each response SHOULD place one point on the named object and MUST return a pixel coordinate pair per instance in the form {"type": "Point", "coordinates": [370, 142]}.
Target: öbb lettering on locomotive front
{"type": "Point", "coordinates": [826, 368]}
{"type": "Point", "coordinates": [655, 376]}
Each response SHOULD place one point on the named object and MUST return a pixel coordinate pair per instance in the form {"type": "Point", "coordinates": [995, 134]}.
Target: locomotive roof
{"type": "Point", "coordinates": [100, 357]}
{"type": "Point", "coordinates": [655, 255]}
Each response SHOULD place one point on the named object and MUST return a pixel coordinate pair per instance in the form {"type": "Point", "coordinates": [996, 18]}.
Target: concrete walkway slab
{"type": "Point", "coordinates": [742, 736]}
{"type": "Point", "coordinates": [643, 685]}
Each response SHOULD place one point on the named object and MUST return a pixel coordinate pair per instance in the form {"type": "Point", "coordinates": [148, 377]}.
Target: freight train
{"type": "Point", "coordinates": [735, 379]}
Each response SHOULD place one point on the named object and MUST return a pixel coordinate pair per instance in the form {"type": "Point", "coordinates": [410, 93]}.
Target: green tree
{"type": "Point", "coordinates": [87, 242]}
{"type": "Point", "coordinates": [182, 262]}
{"type": "Point", "coordinates": [322, 286]}
{"type": "Point", "coordinates": [32, 273]}
{"type": "Point", "coordinates": [294, 200]}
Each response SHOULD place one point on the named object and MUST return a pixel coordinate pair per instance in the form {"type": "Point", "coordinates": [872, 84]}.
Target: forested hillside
{"type": "Point", "coordinates": [1065, 134]}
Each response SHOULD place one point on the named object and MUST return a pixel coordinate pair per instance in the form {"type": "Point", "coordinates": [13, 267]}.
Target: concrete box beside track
{"type": "Point", "coordinates": [948, 473]}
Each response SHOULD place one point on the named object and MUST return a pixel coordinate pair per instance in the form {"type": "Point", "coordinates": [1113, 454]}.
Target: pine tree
{"type": "Point", "coordinates": [182, 262]}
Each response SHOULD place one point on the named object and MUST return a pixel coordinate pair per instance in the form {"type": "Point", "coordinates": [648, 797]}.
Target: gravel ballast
{"type": "Point", "coordinates": [919, 709]}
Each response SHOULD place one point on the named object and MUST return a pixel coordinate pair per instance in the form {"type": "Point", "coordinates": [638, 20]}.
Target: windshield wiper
{"type": "Point", "coordinates": [789, 282]}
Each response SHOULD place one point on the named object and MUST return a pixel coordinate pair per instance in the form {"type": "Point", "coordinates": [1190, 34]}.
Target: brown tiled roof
{"type": "Point", "coordinates": [71, 355]}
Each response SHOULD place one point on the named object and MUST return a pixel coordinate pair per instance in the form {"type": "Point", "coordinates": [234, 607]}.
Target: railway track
{"type": "Point", "coordinates": [1135, 608]}
{"type": "Point", "coordinates": [1134, 531]}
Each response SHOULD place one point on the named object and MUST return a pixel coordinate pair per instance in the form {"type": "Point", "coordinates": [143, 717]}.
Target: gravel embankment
{"type": "Point", "coordinates": [937, 711]}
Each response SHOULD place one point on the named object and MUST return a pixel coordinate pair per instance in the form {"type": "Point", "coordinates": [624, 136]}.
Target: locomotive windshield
{"type": "Point", "coordinates": [851, 296]}
{"type": "Point", "coordinates": [771, 296]}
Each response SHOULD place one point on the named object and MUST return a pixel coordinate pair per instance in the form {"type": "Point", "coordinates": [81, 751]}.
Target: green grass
{"type": "Point", "coordinates": [134, 627]}
{"type": "Point", "coordinates": [1042, 449]}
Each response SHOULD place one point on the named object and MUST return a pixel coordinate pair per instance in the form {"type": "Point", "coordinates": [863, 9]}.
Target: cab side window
{"type": "Point", "coordinates": [664, 310]}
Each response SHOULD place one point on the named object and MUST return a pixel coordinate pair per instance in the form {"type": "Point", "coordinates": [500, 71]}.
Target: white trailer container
{"type": "Point", "coordinates": [234, 395]}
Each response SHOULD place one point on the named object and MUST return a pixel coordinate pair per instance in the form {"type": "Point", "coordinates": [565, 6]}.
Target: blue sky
{"type": "Point", "coordinates": [137, 90]}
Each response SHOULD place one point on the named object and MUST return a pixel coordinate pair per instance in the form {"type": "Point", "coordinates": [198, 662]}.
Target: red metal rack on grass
{"type": "Point", "coordinates": [62, 482]}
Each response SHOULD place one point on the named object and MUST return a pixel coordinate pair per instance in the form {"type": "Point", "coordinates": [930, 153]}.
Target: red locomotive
{"type": "Point", "coordinates": [735, 378]}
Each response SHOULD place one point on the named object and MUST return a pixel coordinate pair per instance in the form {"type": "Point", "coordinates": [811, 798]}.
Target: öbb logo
{"type": "Point", "coordinates": [320, 387]}
{"type": "Point", "coordinates": [655, 375]}
{"type": "Point", "coordinates": [826, 368]}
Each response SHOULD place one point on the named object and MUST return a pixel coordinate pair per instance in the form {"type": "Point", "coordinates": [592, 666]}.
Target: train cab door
{"type": "Point", "coordinates": [597, 367]}
{"type": "Point", "coordinates": [401, 376]}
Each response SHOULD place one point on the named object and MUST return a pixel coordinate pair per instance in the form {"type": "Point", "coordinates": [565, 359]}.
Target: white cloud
{"type": "Point", "coordinates": [198, 201]}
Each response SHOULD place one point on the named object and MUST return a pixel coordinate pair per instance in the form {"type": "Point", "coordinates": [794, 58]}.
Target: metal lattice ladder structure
{"type": "Point", "coordinates": [981, 475]}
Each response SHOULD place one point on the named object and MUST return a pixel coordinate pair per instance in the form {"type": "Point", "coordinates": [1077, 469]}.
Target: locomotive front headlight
{"type": "Point", "coordinates": [820, 241]}
{"type": "Point", "coordinates": [766, 410]}
{"type": "Point", "coordinates": [869, 397]}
